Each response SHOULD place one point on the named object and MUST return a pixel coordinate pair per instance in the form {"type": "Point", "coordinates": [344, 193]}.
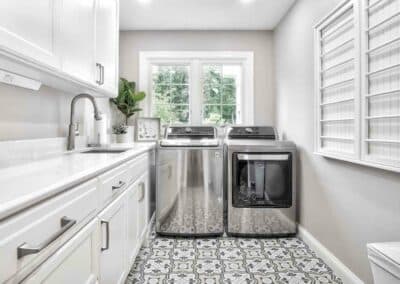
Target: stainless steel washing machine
{"type": "Point", "coordinates": [189, 195]}
{"type": "Point", "coordinates": [260, 185]}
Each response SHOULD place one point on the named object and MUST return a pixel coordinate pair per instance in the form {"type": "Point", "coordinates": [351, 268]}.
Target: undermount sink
{"type": "Point", "coordinates": [105, 151]}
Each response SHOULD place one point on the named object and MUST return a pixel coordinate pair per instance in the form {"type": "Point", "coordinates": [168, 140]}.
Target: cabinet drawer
{"type": "Point", "coordinates": [74, 262]}
{"type": "Point", "coordinates": [113, 182]}
{"type": "Point", "coordinates": [138, 166]}
{"type": "Point", "coordinates": [29, 238]}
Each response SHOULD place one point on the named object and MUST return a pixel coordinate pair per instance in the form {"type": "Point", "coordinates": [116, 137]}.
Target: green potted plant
{"type": "Point", "coordinates": [121, 133]}
{"type": "Point", "coordinates": [127, 102]}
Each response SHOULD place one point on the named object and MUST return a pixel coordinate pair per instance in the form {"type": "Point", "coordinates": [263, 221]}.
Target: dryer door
{"type": "Point", "coordinates": [262, 180]}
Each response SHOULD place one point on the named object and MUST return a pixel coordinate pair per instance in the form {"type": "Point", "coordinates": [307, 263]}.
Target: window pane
{"type": "Point", "coordinates": [221, 83]}
{"type": "Point", "coordinates": [232, 74]}
{"type": "Point", "coordinates": [212, 94]}
{"type": "Point", "coordinates": [212, 114]}
{"type": "Point", "coordinates": [171, 93]}
{"type": "Point", "coordinates": [228, 114]}
{"type": "Point", "coordinates": [182, 113]}
{"type": "Point", "coordinates": [173, 114]}
{"type": "Point", "coordinates": [179, 94]}
{"type": "Point", "coordinates": [161, 94]}
{"type": "Point", "coordinates": [212, 74]}
{"type": "Point", "coordinates": [161, 74]}
{"type": "Point", "coordinates": [229, 94]}
{"type": "Point", "coordinates": [180, 75]}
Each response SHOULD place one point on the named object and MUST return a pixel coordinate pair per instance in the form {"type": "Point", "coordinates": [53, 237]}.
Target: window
{"type": "Point", "coordinates": [358, 84]}
{"type": "Point", "coordinates": [198, 87]}
{"type": "Point", "coordinates": [221, 87]}
{"type": "Point", "coordinates": [171, 93]}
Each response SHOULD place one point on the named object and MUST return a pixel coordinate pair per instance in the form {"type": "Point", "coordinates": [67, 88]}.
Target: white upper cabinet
{"type": "Point", "coordinates": [77, 34]}
{"type": "Point", "coordinates": [28, 29]}
{"type": "Point", "coordinates": [107, 30]}
{"type": "Point", "coordinates": [71, 45]}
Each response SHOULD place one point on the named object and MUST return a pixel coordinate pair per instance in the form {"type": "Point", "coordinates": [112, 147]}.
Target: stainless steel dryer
{"type": "Point", "coordinates": [189, 195]}
{"type": "Point", "coordinates": [259, 183]}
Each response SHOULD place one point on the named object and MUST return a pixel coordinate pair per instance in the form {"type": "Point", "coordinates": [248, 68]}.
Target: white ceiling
{"type": "Point", "coordinates": [202, 14]}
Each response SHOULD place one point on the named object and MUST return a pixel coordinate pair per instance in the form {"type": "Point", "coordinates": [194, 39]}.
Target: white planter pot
{"type": "Point", "coordinates": [123, 138]}
{"type": "Point", "coordinates": [131, 133]}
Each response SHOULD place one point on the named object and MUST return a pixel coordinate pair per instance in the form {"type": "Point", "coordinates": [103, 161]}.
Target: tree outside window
{"type": "Point", "coordinates": [218, 96]}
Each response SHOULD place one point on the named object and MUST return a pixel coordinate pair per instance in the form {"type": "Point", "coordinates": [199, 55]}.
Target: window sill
{"type": "Point", "coordinates": [359, 162]}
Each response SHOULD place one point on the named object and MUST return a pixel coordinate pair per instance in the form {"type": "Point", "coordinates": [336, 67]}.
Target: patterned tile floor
{"type": "Point", "coordinates": [228, 260]}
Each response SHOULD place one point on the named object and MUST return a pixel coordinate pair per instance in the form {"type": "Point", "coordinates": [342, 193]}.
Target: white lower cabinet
{"type": "Point", "coordinates": [76, 238]}
{"type": "Point", "coordinates": [143, 205]}
{"type": "Point", "coordinates": [132, 218]}
{"type": "Point", "coordinates": [75, 262]}
{"type": "Point", "coordinates": [113, 266]}
{"type": "Point", "coordinates": [138, 215]}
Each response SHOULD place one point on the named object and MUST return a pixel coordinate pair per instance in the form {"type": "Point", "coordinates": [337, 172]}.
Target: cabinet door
{"type": "Point", "coordinates": [75, 262]}
{"type": "Point", "coordinates": [77, 34]}
{"type": "Point", "coordinates": [143, 204]}
{"type": "Point", "coordinates": [107, 30]}
{"type": "Point", "coordinates": [132, 218]}
{"type": "Point", "coordinates": [28, 29]}
{"type": "Point", "coordinates": [166, 189]}
{"type": "Point", "coordinates": [113, 241]}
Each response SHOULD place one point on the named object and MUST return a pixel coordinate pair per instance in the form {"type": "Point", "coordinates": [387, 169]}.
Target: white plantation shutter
{"type": "Point", "coordinates": [357, 82]}
{"type": "Point", "coordinates": [337, 82]}
{"type": "Point", "coordinates": [381, 82]}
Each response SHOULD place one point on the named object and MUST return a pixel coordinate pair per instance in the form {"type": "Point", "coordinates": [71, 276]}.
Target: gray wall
{"type": "Point", "coordinates": [343, 205]}
{"type": "Point", "coordinates": [260, 42]}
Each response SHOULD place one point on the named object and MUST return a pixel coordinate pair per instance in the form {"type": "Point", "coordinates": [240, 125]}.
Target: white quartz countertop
{"type": "Point", "coordinates": [26, 184]}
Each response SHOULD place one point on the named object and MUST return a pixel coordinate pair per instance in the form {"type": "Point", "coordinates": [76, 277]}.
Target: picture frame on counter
{"type": "Point", "coordinates": [147, 129]}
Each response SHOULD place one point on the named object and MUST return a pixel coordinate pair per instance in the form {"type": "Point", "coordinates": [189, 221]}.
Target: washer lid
{"type": "Point", "coordinates": [386, 255]}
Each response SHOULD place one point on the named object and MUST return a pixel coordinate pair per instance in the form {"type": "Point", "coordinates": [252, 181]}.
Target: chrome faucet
{"type": "Point", "coordinates": [72, 124]}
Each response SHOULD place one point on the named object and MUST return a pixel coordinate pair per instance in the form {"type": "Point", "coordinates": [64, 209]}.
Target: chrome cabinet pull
{"type": "Point", "coordinates": [120, 185]}
{"type": "Point", "coordinates": [102, 74]}
{"type": "Point", "coordinates": [25, 249]}
{"type": "Point", "coordinates": [107, 235]}
{"type": "Point", "coordinates": [98, 66]}
{"type": "Point", "coordinates": [141, 196]}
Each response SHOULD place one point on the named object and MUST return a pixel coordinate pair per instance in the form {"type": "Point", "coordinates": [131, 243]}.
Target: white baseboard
{"type": "Point", "coordinates": [341, 270]}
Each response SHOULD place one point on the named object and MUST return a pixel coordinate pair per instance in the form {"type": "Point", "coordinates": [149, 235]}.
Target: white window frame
{"type": "Point", "coordinates": [195, 59]}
